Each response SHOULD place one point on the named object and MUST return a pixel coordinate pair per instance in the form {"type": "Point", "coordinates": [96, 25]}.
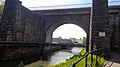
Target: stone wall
{"type": "Point", "coordinates": [100, 23]}
{"type": "Point", "coordinates": [114, 20]}
{"type": "Point", "coordinates": [20, 24]}
{"type": "Point", "coordinates": [26, 25]}
{"type": "Point", "coordinates": [100, 26]}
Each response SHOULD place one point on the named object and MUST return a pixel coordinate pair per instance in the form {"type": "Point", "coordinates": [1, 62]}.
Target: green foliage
{"type": "Point", "coordinates": [1, 8]}
{"type": "Point", "coordinates": [100, 62]}
{"type": "Point", "coordinates": [83, 51]}
{"type": "Point", "coordinates": [84, 40]}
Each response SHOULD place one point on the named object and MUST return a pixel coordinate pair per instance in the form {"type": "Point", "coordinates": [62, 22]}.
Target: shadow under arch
{"type": "Point", "coordinates": [53, 27]}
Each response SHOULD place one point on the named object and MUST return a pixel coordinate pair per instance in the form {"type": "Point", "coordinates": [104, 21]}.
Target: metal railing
{"type": "Point", "coordinates": [96, 52]}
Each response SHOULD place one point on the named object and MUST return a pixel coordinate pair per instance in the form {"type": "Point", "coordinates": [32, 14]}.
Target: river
{"type": "Point", "coordinates": [57, 57]}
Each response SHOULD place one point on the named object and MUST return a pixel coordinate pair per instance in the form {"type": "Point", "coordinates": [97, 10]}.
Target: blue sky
{"type": "Point", "coordinates": [38, 4]}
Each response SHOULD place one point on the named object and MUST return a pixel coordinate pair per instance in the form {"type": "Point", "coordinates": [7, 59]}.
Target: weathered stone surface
{"type": "Point", "coordinates": [115, 31]}
{"type": "Point", "coordinates": [100, 23]}
{"type": "Point", "coordinates": [20, 24]}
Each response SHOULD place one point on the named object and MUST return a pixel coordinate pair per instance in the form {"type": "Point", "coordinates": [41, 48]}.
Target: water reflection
{"type": "Point", "coordinates": [61, 56]}
{"type": "Point", "coordinates": [76, 50]}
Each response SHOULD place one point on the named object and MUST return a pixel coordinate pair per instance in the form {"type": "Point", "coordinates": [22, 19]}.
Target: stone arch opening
{"type": "Point", "coordinates": [53, 27]}
{"type": "Point", "coordinates": [69, 33]}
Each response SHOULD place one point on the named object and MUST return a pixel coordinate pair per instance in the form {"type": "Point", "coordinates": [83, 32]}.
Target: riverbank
{"type": "Point", "coordinates": [81, 63]}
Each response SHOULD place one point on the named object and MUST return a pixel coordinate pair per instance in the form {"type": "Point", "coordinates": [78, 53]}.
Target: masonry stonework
{"type": "Point", "coordinates": [100, 23]}
{"type": "Point", "coordinates": [20, 24]}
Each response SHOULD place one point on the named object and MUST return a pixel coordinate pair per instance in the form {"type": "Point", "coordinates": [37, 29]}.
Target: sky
{"type": "Point", "coordinates": [40, 4]}
{"type": "Point", "coordinates": [69, 31]}
{"type": "Point", "coordinates": [32, 3]}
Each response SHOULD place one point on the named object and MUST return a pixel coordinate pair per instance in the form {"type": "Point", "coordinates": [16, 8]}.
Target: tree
{"type": "Point", "coordinates": [60, 37]}
{"type": "Point", "coordinates": [84, 40]}
{"type": "Point", "coordinates": [1, 8]}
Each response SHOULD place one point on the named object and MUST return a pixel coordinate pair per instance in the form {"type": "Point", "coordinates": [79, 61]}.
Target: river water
{"type": "Point", "coordinates": [57, 57]}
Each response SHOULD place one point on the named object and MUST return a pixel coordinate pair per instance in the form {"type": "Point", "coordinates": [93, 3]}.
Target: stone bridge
{"type": "Point", "coordinates": [19, 24]}
{"type": "Point", "coordinates": [78, 16]}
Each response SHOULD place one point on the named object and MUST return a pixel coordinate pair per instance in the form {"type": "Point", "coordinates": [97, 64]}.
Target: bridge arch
{"type": "Point", "coordinates": [54, 26]}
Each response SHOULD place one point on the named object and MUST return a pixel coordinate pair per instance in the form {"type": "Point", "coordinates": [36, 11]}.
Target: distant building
{"type": "Point", "coordinates": [74, 40]}
{"type": "Point", "coordinates": [79, 41]}
{"type": "Point", "coordinates": [59, 40]}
